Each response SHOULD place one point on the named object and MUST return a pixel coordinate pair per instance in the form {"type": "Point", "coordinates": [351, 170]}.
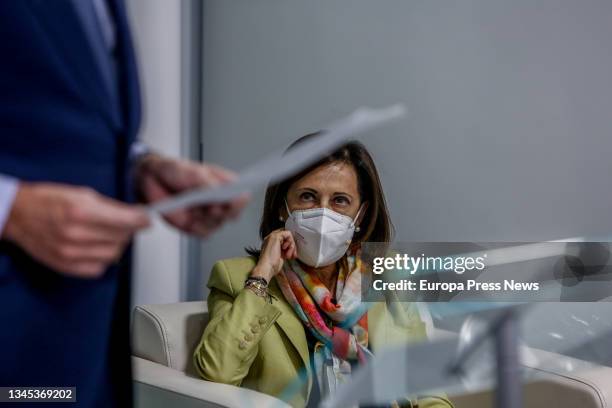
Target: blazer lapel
{"type": "Point", "coordinates": [128, 72]}
{"type": "Point", "coordinates": [60, 21]}
{"type": "Point", "coordinates": [291, 325]}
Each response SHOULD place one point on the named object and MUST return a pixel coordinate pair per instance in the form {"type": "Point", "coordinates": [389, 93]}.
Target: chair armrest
{"type": "Point", "coordinates": [158, 386]}
{"type": "Point", "coordinates": [589, 386]}
{"type": "Point", "coordinates": [589, 382]}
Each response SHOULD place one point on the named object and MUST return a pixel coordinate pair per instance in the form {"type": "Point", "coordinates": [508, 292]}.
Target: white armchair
{"type": "Point", "coordinates": [163, 340]}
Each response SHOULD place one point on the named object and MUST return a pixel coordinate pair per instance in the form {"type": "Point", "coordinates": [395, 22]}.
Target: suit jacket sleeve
{"type": "Point", "coordinates": [238, 321]}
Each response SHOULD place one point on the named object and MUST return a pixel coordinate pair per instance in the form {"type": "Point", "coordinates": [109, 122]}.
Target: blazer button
{"type": "Point", "coordinates": [263, 320]}
{"type": "Point", "coordinates": [255, 329]}
{"type": "Point", "coordinates": [248, 337]}
{"type": "Point", "coordinates": [242, 345]}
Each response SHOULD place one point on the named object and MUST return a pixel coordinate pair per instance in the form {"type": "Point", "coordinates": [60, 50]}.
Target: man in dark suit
{"type": "Point", "coordinates": [69, 169]}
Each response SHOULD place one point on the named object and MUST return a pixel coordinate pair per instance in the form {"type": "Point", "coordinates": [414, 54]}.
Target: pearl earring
{"type": "Point", "coordinates": [280, 217]}
{"type": "Point", "coordinates": [357, 229]}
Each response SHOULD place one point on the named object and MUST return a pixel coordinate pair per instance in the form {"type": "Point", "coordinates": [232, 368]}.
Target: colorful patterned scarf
{"type": "Point", "coordinates": [347, 338]}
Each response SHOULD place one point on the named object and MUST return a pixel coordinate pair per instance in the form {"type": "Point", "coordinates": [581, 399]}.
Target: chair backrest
{"type": "Point", "coordinates": [168, 334]}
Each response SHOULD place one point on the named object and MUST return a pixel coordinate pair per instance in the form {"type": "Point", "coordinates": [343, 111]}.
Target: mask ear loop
{"type": "Point", "coordinates": [287, 207]}
{"type": "Point", "coordinates": [357, 229]}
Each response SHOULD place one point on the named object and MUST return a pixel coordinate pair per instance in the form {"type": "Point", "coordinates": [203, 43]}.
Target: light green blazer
{"type": "Point", "coordinates": [254, 344]}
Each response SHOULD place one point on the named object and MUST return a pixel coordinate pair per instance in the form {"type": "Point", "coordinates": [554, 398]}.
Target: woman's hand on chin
{"type": "Point", "coordinates": [277, 246]}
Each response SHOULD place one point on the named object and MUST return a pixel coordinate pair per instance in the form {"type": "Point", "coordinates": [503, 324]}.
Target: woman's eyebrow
{"type": "Point", "coordinates": [344, 194]}
{"type": "Point", "coordinates": [312, 190]}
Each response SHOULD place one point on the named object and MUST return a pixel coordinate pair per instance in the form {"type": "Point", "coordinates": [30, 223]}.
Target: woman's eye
{"type": "Point", "coordinates": [306, 196]}
{"type": "Point", "coordinates": [342, 201]}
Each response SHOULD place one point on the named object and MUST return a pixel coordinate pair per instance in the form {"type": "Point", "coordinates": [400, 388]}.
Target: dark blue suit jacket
{"type": "Point", "coordinates": [60, 122]}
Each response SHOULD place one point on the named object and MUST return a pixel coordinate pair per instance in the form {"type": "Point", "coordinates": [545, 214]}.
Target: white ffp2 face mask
{"type": "Point", "coordinates": [322, 235]}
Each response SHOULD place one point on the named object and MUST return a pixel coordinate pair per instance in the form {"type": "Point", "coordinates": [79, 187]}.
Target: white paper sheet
{"type": "Point", "coordinates": [279, 166]}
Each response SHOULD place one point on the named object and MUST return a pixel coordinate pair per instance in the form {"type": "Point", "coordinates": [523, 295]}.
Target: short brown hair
{"type": "Point", "coordinates": [376, 224]}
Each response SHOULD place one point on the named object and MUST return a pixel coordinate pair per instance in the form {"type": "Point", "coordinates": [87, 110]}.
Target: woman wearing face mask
{"type": "Point", "coordinates": [288, 320]}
